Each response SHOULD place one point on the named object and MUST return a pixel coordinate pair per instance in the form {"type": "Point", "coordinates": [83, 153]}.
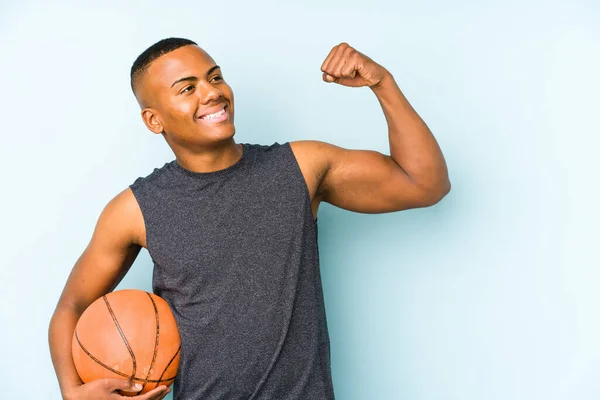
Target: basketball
{"type": "Point", "coordinates": [127, 334]}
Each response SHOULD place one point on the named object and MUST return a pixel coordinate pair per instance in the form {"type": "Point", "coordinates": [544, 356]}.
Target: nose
{"type": "Point", "coordinates": [209, 93]}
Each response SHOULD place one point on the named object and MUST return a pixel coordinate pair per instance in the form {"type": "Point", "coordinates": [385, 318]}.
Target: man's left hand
{"type": "Point", "coordinates": [348, 67]}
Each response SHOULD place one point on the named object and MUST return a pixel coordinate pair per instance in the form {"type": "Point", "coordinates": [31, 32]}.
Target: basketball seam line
{"type": "Point", "coordinates": [86, 351]}
{"type": "Point", "coordinates": [114, 317]}
{"type": "Point", "coordinates": [156, 341]}
{"type": "Point", "coordinates": [172, 359]}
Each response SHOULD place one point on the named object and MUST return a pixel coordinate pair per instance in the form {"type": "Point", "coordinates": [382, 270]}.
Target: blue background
{"type": "Point", "coordinates": [491, 294]}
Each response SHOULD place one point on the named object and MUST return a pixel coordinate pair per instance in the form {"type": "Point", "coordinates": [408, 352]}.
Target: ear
{"type": "Point", "coordinates": [150, 118]}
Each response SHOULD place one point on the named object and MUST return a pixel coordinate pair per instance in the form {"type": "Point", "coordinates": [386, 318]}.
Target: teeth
{"type": "Point", "coordinates": [215, 115]}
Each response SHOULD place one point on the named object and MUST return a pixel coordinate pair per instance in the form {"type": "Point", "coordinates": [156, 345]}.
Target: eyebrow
{"type": "Point", "coordinates": [193, 78]}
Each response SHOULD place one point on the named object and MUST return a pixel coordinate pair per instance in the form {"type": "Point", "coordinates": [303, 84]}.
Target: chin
{"type": "Point", "coordinates": [225, 133]}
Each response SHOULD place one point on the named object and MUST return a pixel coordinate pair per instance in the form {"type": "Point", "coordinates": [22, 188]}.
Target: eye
{"type": "Point", "coordinates": [218, 78]}
{"type": "Point", "coordinates": [187, 89]}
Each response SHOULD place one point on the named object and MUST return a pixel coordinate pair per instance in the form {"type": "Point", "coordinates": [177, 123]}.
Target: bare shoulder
{"type": "Point", "coordinates": [313, 157]}
{"type": "Point", "coordinates": [114, 246]}
{"type": "Point", "coordinates": [318, 159]}
{"type": "Point", "coordinates": [123, 218]}
{"type": "Point", "coordinates": [365, 181]}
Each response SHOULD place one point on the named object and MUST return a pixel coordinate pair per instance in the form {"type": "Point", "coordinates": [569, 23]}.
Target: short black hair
{"type": "Point", "coordinates": [164, 46]}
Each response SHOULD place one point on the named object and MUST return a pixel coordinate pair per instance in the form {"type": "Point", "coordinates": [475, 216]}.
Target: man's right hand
{"type": "Point", "coordinates": [108, 389]}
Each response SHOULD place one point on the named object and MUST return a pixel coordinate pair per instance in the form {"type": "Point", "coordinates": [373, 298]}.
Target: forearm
{"type": "Point", "coordinates": [60, 334]}
{"type": "Point", "coordinates": [412, 145]}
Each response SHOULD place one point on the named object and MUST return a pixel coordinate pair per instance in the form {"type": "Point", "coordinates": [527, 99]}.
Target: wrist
{"type": "Point", "coordinates": [387, 81]}
{"type": "Point", "coordinates": [67, 393]}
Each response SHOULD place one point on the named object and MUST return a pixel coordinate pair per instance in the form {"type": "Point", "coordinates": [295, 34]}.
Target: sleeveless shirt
{"type": "Point", "coordinates": [235, 255]}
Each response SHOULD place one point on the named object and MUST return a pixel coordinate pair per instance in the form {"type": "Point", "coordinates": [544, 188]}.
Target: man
{"type": "Point", "coordinates": [232, 232]}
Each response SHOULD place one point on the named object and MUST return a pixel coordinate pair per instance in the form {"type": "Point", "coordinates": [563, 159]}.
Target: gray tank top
{"type": "Point", "coordinates": [236, 257]}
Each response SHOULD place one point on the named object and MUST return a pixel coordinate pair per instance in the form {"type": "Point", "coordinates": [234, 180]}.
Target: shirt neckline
{"type": "Point", "coordinates": [214, 174]}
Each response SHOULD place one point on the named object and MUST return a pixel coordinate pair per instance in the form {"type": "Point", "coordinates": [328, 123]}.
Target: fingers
{"type": "Point", "coordinates": [157, 393]}
{"type": "Point", "coordinates": [340, 63]}
{"type": "Point", "coordinates": [325, 64]}
{"type": "Point", "coordinates": [345, 64]}
{"type": "Point", "coordinates": [122, 384]}
{"type": "Point", "coordinates": [331, 61]}
{"type": "Point", "coordinates": [113, 385]}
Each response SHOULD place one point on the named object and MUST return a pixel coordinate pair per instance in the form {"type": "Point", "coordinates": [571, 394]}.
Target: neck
{"type": "Point", "coordinates": [210, 159]}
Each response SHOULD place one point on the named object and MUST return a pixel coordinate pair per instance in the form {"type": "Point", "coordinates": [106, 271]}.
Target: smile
{"type": "Point", "coordinates": [219, 116]}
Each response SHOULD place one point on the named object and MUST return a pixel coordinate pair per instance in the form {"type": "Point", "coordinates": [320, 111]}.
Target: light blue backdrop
{"type": "Point", "coordinates": [491, 294]}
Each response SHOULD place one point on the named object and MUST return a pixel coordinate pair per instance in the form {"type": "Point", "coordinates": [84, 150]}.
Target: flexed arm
{"type": "Point", "coordinates": [415, 175]}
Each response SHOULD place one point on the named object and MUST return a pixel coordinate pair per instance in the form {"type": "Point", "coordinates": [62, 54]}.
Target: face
{"type": "Point", "coordinates": [187, 100]}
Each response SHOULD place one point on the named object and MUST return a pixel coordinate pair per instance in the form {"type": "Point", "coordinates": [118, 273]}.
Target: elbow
{"type": "Point", "coordinates": [435, 194]}
{"type": "Point", "coordinates": [443, 190]}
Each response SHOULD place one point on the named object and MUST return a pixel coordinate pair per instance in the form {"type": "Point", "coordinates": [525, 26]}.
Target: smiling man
{"type": "Point", "coordinates": [231, 229]}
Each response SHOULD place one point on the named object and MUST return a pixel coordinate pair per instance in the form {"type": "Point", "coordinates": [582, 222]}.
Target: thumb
{"type": "Point", "coordinates": [122, 384]}
{"type": "Point", "coordinates": [328, 78]}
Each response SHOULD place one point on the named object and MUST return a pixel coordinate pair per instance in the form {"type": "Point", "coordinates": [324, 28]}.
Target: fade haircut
{"type": "Point", "coordinates": [164, 46]}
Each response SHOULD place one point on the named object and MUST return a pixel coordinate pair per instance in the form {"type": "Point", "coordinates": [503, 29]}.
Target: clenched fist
{"type": "Point", "coordinates": [348, 67]}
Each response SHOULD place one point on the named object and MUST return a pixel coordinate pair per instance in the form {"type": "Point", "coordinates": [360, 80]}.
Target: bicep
{"type": "Point", "coordinates": [108, 256]}
{"type": "Point", "coordinates": [367, 181]}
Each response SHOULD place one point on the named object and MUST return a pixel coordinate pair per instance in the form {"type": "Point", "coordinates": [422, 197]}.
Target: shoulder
{"type": "Point", "coordinates": [315, 154]}
{"type": "Point", "coordinates": [316, 150]}
{"type": "Point", "coordinates": [124, 203]}
{"type": "Point", "coordinates": [315, 158]}
{"type": "Point", "coordinates": [122, 218]}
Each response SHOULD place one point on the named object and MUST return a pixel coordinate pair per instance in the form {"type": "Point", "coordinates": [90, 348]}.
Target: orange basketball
{"type": "Point", "coordinates": [127, 334]}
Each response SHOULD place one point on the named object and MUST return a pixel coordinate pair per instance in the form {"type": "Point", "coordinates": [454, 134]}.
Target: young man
{"type": "Point", "coordinates": [231, 229]}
